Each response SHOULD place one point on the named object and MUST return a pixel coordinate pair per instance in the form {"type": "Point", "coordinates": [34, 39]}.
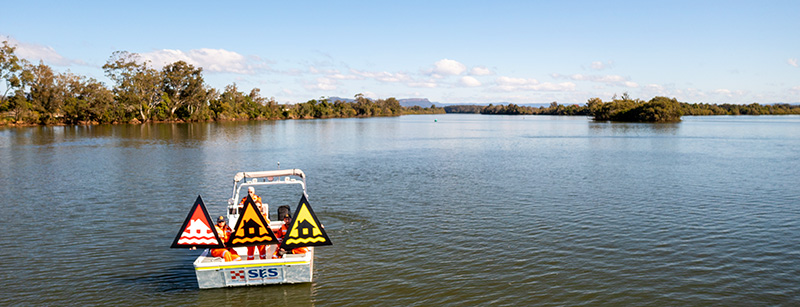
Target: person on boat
{"type": "Point", "coordinates": [228, 254]}
{"type": "Point", "coordinates": [262, 249]}
{"type": "Point", "coordinates": [286, 217]}
{"type": "Point", "coordinates": [257, 199]}
{"type": "Point", "coordinates": [279, 252]}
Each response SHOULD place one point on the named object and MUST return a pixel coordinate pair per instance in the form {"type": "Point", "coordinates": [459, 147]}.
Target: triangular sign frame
{"type": "Point", "coordinates": [198, 222]}
{"type": "Point", "coordinates": [305, 229]}
{"type": "Point", "coordinates": [250, 221]}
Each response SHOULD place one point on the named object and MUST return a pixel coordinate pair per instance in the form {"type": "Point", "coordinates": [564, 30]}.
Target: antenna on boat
{"type": "Point", "coordinates": [279, 165]}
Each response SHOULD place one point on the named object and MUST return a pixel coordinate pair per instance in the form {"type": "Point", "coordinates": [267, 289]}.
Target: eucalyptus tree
{"type": "Point", "coordinates": [269, 106]}
{"type": "Point", "coordinates": [138, 86]}
{"type": "Point", "coordinates": [47, 90]}
{"type": "Point", "coordinates": [183, 87]}
{"type": "Point", "coordinates": [11, 68]}
{"type": "Point", "coordinates": [89, 101]}
{"type": "Point", "coordinates": [229, 104]}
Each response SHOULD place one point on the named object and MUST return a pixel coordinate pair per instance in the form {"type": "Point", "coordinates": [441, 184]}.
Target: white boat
{"type": "Point", "coordinates": [213, 272]}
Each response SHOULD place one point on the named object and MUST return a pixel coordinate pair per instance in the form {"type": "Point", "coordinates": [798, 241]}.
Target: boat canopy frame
{"type": "Point", "coordinates": [262, 178]}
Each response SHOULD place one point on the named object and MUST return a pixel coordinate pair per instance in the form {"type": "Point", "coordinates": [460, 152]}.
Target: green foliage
{"type": "Point", "coordinates": [737, 109]}
{"type": "Point", "coordinates": [182, 83]}
{"type": "Point", "coordinates": [553, 109]}
{"type": "Point", "coordinates": [463, 109]}
{"type": "Point", "coordinates": [11, 68]}
{"type": "Point", "coordinates": [138, 87]}
{"type": "Point", "coordinates": [420, 110]}
{"type": "Point", "coordinates": [658, 109]}
{"type": "Point", "coordinates": [362, 107]}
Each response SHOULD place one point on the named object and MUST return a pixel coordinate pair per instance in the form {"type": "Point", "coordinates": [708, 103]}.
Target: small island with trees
{"type": "Point", "coordinates": [624, 109]}
{"type": "Point", "coordinates": [37, 95]}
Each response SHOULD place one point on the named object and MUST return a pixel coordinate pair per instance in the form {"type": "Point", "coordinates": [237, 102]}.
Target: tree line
{"type": "Point", "coordinates": [36, 94]}
{"type": "Point", "coordinates": [624, 108]}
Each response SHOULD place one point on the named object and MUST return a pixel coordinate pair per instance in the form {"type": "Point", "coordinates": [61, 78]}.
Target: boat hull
{"type": "Point", "coordinates": [211, 272]}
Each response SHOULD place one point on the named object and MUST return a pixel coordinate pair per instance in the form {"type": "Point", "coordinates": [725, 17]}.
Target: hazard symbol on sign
{"type": "Point", "coordinates": [197, 229]}
{"type": "Point", "coordinates": [305, 228]}
{"type": "Point", "coordinates": [251, 228]}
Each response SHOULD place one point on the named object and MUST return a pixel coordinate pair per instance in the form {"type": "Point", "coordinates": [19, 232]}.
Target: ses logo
{"type": "Point", "coordinates": [262, 273]}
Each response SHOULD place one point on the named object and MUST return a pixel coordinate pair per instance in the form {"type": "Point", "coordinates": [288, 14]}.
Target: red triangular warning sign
{"type": "Point", "coordinates": [305, 228]}
{"type": "Point", "coordinates": [251, 228]}
{"type": "Point", "coordinates": [197, 229]}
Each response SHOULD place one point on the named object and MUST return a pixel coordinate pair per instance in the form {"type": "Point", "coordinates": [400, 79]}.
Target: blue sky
{"type": "Point", "coordinates": [446, 51]}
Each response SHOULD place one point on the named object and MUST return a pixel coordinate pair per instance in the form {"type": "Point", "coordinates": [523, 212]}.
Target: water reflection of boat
{"type": "Point", "coordinates": [213, 272]}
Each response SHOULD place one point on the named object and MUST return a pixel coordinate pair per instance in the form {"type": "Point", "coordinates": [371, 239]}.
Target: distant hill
{"type": "Point", "coordinates": [422, 102]}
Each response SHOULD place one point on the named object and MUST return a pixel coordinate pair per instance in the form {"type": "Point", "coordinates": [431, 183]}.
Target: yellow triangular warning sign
{"type": "Point", "coordinates": [251, 228]}
{"type": "Point", "coordinates": [305, 228]}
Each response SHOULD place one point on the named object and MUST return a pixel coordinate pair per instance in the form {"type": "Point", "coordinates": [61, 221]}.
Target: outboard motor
{"type": "Point", "coordinates": [284, 211]}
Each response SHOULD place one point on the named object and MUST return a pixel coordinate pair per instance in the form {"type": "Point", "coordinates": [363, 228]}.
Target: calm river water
{"type": "Point", "coordinates": [422, 210]}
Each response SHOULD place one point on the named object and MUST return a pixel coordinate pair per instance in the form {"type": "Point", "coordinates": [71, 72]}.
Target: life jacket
{"type": "Point", "coordinates": [228, 254]}
{"type": "Point", "coordinates": [225, 233]}
{"type": "Point", "coordinates": [281, 232]}
{"type": "Point", "coordinates": [258, 201]}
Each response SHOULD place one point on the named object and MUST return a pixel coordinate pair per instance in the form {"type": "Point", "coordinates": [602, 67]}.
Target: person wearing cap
{"type": "Point", "coordinates": [224, 232]}
{"type": "Point", "coordinates": [262, 249]}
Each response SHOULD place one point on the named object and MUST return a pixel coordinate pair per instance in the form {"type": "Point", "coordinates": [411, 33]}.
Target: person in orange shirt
{"type": "Point", "coordinates": [262, 249]}
{"type": "Point", "coordinates": [287, 220]}
{"type": "Point", "coordinates": [257, 199]}
{"type": "Point", "coordinates": [228, 254]}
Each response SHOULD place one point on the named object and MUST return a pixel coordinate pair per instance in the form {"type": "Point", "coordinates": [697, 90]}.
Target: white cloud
{"type": "Point", "coordinates": [516, 81]}
{"type": "Point", "coordinates": [382, 76]}
{"type": "Point", "coordinates": [160, 58]}
{"type": "Point", "coordinates": [332, 74]}
{"type": "Point", "coordinates": [324, 84]}
{"type": "Point", "coordinates": [611, 79]}
{"type": "Point", "coordinates": [315, 70]}
{"type": "Point", "coordinates": [795, 90]}
{"type": "Point", "coordinates": [605, 79]}
{"type": "Point", "coordinates": [792, 62]}
{"type": "Point", "coordinates": [343, 77]}
{"type": "Point", "coordinates": [211, 60]}
{"type": "Point", "coordinates": [598, 65]}
{"type": "Point", "coordinates": [509, 84]}
{"type": "Point", "coordinates": [35, 53]}
{"type": "Point", "coordinates": [555, 87]}
{"type": "Point", "coordinates": [448, 67]}
{"type": "Point", "coordinates": [370, 95]}
{"type": "Point", "coordinates": [469, 81]}
{"type": "Point", "coordinates": [657, 87]}
{"type": "Point", "coordinates": [426, 84]}
{"type": "Point", "coordinates": [480, 71]}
